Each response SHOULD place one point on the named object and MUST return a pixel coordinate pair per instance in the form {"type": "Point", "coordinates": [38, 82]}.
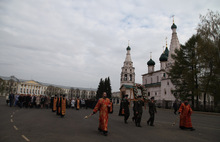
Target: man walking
{"type": "Point", "coordinates": [139, 110]}
{"type": "Point", "coordinates": [185, 116]}
{"type": "Point", "coordinates": [104, 107]}
{"type": "Point", "coordinates": [152, 111]}
{"type": "Point", "coordinates": [125, 108]}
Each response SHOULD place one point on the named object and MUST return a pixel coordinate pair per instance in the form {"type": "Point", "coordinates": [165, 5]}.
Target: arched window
{"type": "Point", "coordinates": [130, 77]}
{"type": "Point", "coordinates": [125, 79]}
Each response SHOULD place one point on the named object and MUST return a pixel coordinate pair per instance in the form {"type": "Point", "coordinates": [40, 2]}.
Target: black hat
{"type": "Point", "coordinates": [64, 95]}
{"type": "Point", "coordinates": [152, 98]}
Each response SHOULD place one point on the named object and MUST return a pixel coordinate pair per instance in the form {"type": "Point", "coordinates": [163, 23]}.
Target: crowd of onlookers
{"type": "Point", "coordinates": [42, 101]}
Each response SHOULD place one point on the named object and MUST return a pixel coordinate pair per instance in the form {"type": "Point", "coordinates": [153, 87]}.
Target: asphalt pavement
{"type": "Point", "coordinates": [43, 125]}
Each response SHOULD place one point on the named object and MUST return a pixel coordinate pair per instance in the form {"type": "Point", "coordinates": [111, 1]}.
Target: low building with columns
{"type": "Point", "coordinates": [31, 87]}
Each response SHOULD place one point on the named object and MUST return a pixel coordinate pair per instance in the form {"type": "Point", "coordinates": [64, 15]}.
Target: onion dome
{"type": "Point", "coordinates": [163, 57]}
{"type": "Point", "coordinates": [173, 26]}
{"type": "Point", "coordinates": [128, 48]}
{"type": "Point", "coordinates": [166, 52]}
{"type": "Point", "coordinates": [150, 63]}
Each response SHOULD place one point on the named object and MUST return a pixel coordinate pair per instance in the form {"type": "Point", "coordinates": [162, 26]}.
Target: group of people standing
{"type": "Point", "coordinates": [28, 101]}
{"type": "Point", "coordinates": [59, 105]}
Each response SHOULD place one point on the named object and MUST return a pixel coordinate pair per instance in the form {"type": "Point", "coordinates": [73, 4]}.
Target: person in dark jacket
{"type": "Point", "coordinates": [139, 110]}
{"type": "Point", "coordinates": [125, 108]}
{"type": "Point", "coordinates": [175, 107]}
{"type": "Point", "coordinates": [152, 111]}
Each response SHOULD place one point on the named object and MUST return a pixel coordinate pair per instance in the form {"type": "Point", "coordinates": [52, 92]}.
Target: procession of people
{"type": "Point", "coordinates": [60, 103]}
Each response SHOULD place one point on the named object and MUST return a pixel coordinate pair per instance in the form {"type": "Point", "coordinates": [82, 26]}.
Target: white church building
{"type": "Point", "coordinates": [157, 82]}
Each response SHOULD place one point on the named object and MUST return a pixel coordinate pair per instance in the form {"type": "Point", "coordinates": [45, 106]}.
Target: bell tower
{"type": "Point", "coordinates": [127, 71]}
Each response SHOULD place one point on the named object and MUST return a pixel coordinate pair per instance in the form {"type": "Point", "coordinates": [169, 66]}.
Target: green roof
{"type": "Point", "coordinates": [153, 84]}
{"type": "Point", "coordinates": [173, 26]}
{"type": "Point", "coordinates": [128, 48]}
{"type": "Point", "coordinates": [150, 63]}
{"type": "Point", "coordinates": [166, 52]}
{"type": "Point", "coordinates": [163, 57]}
{"type": "Point", "coordinates": [127, 86]}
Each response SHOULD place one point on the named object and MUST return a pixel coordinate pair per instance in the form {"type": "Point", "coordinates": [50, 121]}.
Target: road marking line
{"type": "Point", "coordinates": [12, 120]}
{"type": "Point", "coordinates": [15, 127]}
{"type": "Point", "coordinates": [25, 138]}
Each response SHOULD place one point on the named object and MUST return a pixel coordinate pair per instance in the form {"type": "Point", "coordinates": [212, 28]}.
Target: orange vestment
{"type": "Point", "coordinates": [63, 106]}
{"type": "Point", "coordinates": [77, 104]}
{"type": "Point", "coordinates": [185, 116]}
{"type": "Point", "coordinates": [55, 104]}
{"type": "Point", "coordinates": [103, 107]}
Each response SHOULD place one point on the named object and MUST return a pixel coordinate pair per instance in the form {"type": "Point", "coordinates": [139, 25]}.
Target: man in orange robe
{"type": "Point", "coordinates": [58, 105]}
{"type": "Point", "coordinates": [185, 116]}
{"type": "Point", "coordinates": [104, 106]}
{"type": "Point", "coordinates": [55, 103]}
{"type": "Point", "coordinates": [78, 103]}
{"type": "Point", "coordinates": [63, 106]}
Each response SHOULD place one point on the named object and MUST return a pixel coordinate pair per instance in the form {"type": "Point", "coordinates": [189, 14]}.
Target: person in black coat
{"type": "Point", "coordinates": [125, 108]}
{"type": "Point", "coordinates": [152, 111]}
{"type": "Point", "coordinates": [138, 110]}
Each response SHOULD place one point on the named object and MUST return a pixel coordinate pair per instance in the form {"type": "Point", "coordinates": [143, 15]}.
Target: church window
{"type": "Point", "coordinates": [165, 92]}
{"type": "Point", "coordinates": [130, 77]}
{"type": "Point", "coordinates": [125, 79]}
{"type": "Point", "coordinates": [148, 93]}
{"type": "Point", "coordinates": [125, 70]}
{"type": "Point", "coordinates": [164, 74]}
{"type": "Point", "coordinates": [155, 93]}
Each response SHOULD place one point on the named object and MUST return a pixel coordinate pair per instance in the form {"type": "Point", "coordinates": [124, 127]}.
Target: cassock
{"type": "Point", "coordinates": [63, 106]}
{"type": "Point", "coordinates": [54, 104]}
{"type": "Point", "coordinates": [104, 106]}
{"type": "Point", "coordinates": [185, 116]}
{"type": "Point", "coordinates": [58, 106]}
{"type": "Point", "coordinates": [77, 104]}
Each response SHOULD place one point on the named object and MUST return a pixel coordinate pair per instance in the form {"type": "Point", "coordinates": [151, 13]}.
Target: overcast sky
{"type": "Point", "coordinates": [78, 42]}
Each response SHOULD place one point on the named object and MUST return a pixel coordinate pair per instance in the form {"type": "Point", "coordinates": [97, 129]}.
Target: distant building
{"type": "Point", "coordinates": [32, 87]}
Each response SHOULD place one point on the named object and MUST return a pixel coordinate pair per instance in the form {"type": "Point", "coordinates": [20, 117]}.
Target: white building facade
{"type": "Point", "coordinates": [157, 82]}
{"type": "Point", "coordinates": [31, 87]}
